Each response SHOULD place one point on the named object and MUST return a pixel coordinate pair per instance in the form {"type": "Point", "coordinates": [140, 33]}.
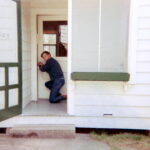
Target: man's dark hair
{"type": "Point", "coordinates": [45, 52]}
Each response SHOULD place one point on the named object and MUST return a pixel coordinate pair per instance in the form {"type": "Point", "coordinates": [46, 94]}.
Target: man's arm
{"type": "Point", "coordinates": [41, 66]}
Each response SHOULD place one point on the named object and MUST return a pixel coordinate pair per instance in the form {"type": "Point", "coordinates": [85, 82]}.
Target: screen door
{"type": "Point", "coordinates": [10, 59]}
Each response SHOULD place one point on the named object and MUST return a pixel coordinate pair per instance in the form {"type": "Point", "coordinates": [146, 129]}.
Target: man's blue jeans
{"type": "Point", "coordinates": [55, 87]}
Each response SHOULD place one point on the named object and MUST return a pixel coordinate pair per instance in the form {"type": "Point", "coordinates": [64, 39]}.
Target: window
{"type": "Point", "coordinates": [54, 37]}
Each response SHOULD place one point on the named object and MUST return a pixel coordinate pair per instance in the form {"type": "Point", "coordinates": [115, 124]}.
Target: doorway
{"type": "Point", "coordinates": [52, 32]}
{"type": "Point", "coordinates": [51, 36]}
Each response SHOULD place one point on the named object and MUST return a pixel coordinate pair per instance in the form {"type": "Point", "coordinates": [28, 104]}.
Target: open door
{"type": "Point", "coordinates": [49, 39]}
{"type": "Point", "coordinates": [10, 59]}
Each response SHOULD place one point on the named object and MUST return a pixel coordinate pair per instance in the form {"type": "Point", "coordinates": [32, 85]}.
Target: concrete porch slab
{"type": "Point", "coordinates": [42, 107]}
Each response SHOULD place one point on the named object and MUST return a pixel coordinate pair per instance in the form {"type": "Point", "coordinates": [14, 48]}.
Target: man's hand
{"type": "Point", "coordinates": [39, 64]}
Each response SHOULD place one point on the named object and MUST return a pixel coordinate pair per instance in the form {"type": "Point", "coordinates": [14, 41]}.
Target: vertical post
{"type": "Point", "coordinates": [6, 87]}
{"type": "Point", "coordinates": [33, 56]}
{"type": "Point", "coordinates": [19, 51]}
{"type": "Point", "coordinates": [132, 41]}
{"type": "Point", "coordinates": [70, 84]}
{"type": "Point", "coordinates": [99, 52]}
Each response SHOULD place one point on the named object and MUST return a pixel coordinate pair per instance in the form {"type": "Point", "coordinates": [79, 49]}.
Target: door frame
{"type": "Point", "coordinates": [34, 42]}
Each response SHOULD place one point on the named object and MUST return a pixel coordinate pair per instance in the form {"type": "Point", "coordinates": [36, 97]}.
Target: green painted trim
{"type": "Point", "coordinates": [11, 112]}
{"type": "Point", "coordinates": [9, 64]}
{"type": "Point", "coordinates": [2, 88]}
{"type": "Point", "coordinates": [13, 86]}
{"type": "Point", "coordinates": [20, 52]}
{"type": "Point", "coordinates": [6, 91]}
{"type": "Point", "coordinates": [100, 76]}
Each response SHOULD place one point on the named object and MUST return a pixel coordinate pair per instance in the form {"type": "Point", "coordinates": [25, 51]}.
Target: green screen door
{"type": "Point", "coordinates": [10, 59]}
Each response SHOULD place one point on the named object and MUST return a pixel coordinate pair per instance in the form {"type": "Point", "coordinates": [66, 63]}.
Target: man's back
{"type": "Point", "coordinates": [53, 68]}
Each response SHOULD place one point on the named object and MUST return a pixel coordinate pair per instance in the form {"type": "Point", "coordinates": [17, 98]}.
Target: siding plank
{"type": "Point", "coordinates": [144, 23]}
{"type": "Point", "coordinates": [112, 100]}
{"type": "Point", "coordinates": [143, 67]}
{"type": "Point", "coordinates": [144, 11]}
{"type": "Point", "coordinates": [143, 78]}
{"type": "Point", "coordinates": [144, 34]}
{"type": "Point", "coordinates": [143, 45]}
{"type": "Point", "coordinates": [143, 56]}
{"type": "Point", "coordinates": [113, 111]}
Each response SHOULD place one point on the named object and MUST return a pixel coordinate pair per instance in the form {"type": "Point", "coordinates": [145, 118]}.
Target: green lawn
{"type": "Point", "coordinates": [124, 140]}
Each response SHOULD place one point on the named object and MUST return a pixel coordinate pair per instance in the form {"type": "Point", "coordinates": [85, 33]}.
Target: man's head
{"type": "Point", "coordinates": [46, 55]}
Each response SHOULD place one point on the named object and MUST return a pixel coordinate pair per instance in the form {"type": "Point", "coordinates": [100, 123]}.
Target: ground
{"type": "Point", "coordinates": [81, 142]}
{"type": "Point", "coordinates": [124, 141]}
{"type": "Point", "coordinates": [91, 141]}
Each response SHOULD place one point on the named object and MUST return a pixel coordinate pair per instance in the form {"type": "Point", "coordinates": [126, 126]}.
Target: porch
{"type": "Point", "coordinates": [42, 107]}
{"type": "Point", "coordinates": [100, 42]}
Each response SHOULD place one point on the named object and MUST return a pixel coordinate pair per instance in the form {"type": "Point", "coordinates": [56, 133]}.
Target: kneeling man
{"type": "Point", "coordinates": [52, 67]}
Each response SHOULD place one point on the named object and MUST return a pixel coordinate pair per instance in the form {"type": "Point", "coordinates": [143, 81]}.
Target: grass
{"type": "Point", "coordinates": [118, 141]}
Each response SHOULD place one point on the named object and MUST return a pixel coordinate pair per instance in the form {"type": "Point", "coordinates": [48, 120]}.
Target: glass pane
{"type": "Point", "coordinates": [2, 99]}
{"type": "Point", "coordinates": [64, 33]}
{"type": "Point", "coordinates": [49, 38]}
{"type": "Point", "coordinates": [13, 75]}
{"type": "Point", "coordinates": [51, 49]}
{"type": "Point", "coordinates": [2, 76]}
{"type": "Point", "coordinates": [8, 32]}
{"type": "Point", "coordinates": [47, 48]}
{"type": "Point", "coordinates": [13, 97]}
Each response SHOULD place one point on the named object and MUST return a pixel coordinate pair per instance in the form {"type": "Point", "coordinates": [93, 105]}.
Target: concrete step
{"type": "Point", "coordinates": [3, 136]}
{"type": "Point", "coordinates": [42, 131]}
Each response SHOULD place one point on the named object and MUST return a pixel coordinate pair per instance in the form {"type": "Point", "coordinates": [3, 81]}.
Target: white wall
{"type": "Point", "coordinates": [114, 35]}
{"type": "Point", "coordinates": [85, 35]}
{"type": "Point", "coordinates": [26, 52]}
{"type": "Point", "coordinates": [118, 100]}
{"type": "Point", "coordinates": [143, 43]}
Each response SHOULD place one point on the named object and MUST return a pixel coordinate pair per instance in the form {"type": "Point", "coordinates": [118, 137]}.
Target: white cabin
{"type": "Point", "coordinates": [106, 65]}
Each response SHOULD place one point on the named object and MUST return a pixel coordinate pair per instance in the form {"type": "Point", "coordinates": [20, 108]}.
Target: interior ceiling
{"type": "Point", "coordinates": [49, 3]}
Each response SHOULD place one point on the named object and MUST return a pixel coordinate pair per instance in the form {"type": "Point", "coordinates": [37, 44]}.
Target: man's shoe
{"type": "Point", "coordinates": [65, 97]}
{"type": "Point", "coordinates": [59, 94]}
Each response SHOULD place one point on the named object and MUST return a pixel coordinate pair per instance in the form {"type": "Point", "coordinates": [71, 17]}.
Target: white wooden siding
{"type": "Point", "coordinates": [26, 52]}
{"type": "Point", "coordinates": [114, 101]}
{"type": "Point", "coordinates": [143, 56]}
{"type": "Point", "coordinates": [120, 98]}
{"type": "Point", "coordinates": [113, 111]}
{"type": "Point", "coordinates": [143, 47]}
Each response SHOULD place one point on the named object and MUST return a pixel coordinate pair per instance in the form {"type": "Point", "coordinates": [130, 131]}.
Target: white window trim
{"type": "Point", "coordinates": [99, 51]}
